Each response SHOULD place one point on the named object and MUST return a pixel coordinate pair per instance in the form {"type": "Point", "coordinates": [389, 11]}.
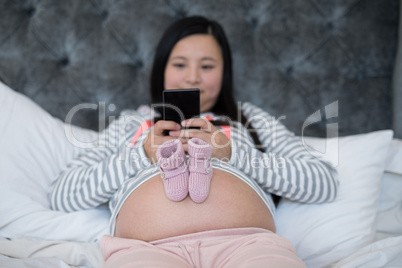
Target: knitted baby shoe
{"type": "Point", "coordinates": [174, 170]}
{"type": "Point", "coordinates": [200, 169]}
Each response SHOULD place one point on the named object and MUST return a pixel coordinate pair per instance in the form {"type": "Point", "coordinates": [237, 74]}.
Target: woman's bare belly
{"type": "Point", "coordinates": [149, 215]}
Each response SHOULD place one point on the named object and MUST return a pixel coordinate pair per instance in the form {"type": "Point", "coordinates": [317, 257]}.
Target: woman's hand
{"type": "Point", "coordinates": [222, 148]}
{"type": "Point", "coordinates": [156, 137]}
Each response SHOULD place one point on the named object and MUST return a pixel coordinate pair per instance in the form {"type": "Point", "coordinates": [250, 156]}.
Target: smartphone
{"type": "Point", "coordinates": [181, 104]}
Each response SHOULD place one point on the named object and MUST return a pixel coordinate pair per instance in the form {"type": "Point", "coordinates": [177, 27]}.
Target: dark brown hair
{"type": "Point", "coordinates": [225, 104]}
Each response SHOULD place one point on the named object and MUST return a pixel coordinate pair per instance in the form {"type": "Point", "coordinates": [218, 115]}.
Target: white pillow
{"type": "Point", "coordinates": [394, 158]}
{"type": "Point", "coordinates": [326, 233]}
{"type": "Point", "coordinates": [34, 148]}
{"type": "Point", "coordinates": [389, 215]}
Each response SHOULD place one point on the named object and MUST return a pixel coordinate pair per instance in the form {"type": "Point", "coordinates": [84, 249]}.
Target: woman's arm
{"type": "Point", "coordinates": [92, 178]}
{"type": "Point", "coordinates": [286, 168]}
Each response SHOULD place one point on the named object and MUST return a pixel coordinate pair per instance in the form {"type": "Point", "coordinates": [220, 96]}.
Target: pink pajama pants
{"type": "Point", "coordinates": [238, 247]}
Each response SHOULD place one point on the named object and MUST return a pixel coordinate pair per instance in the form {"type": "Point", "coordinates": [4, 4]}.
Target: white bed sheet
{"type": "Point", "coordinates": [384, 253]}
{"type": "Point", "coordinates": [32, 252]}
{"type": "Point", "coordinates": [9, 262]}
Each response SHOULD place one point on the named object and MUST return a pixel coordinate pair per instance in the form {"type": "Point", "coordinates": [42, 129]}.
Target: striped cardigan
{"type": "Point", "coordinates": [114, 168]}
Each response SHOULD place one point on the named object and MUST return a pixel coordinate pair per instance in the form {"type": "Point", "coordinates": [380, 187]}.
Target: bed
{"type": "Point", "coordinates": [326, 68]}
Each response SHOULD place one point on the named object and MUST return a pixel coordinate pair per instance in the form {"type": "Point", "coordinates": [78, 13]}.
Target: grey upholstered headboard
{"type": "Point", "coordinates": [292, 58]}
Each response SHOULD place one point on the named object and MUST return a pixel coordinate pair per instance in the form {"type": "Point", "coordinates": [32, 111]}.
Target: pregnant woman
{"type": "Point", "coordinates": [194, 197]}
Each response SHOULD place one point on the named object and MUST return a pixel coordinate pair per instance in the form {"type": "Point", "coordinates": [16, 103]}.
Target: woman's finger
{"type": "Point", "coordinates": [161, 126]}
{"type": "Point", "coordinates": [202, 123]}
{"type": "Point", "coordinates": [189, 133]}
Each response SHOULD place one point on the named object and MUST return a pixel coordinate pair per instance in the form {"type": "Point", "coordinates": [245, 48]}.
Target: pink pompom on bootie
{"type": "Point", "coordinates": [200, 169]}
{"type": "Point", "coordinates": [174, 170]}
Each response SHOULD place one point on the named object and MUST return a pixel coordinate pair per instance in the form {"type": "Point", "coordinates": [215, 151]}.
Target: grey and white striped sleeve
{"type": "Point", "coordinates": [97, 173]}
{"type": "Point", "coordinates": [286, 168]}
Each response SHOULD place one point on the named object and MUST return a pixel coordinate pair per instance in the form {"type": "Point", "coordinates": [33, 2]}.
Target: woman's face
{"type": "Point", "coordinates": [196, 62]}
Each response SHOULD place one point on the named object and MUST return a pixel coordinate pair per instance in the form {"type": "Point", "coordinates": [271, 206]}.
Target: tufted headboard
{"type": "Point", "coordinates": [292, 58]}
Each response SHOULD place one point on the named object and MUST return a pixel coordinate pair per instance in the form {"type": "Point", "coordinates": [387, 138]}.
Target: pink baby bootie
{"type": "Point", "coordinates": [174, 170]}
{"type": "Point", "coordinates": [200, 169]}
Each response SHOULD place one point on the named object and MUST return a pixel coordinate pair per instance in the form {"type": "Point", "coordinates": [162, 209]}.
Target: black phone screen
{"type": "Point", "coordinates": [181, 104]}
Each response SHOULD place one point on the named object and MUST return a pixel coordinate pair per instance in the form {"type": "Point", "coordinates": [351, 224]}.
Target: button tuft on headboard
{"type": "Point", "coordinates": [289, 71]}
{"type": "Point", "coordinates": [138, 64]}
{"type": "Point", "coordinates": [330, 26]}
{"type": "Point", "coordinates": [30, 11]}
{"type": "Point", "coordinates": [180, 13]}
{"type": "Point", "coordinates": [253, 22]}
{"type": "Point", "coordinates": [64, 62]}
{"type": "Point", "coordinates": [104, 14]}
